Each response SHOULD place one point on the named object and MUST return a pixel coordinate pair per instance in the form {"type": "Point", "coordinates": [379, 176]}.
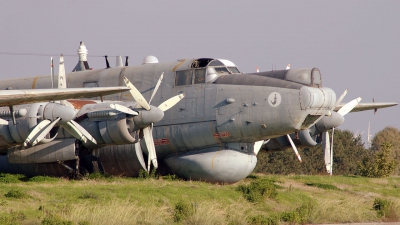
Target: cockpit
{"type": "Point", "coordinates": [199, 71]}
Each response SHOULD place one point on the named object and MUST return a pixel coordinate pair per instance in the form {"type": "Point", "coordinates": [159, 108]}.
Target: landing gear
{"type": "Point", "coordinates": [91, 163]}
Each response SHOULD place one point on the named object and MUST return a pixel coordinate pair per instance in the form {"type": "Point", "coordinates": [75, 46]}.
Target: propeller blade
{"type": "Point", "coordinates": [39, 132]}
{"type": "Point", "coordinates": [137, 95]}
{"type": "Point", "coordinates": [349, 106]}
{"type": "Point", "coordinates": [123, 109]}
{"type": "Point", "coordinates": [157, 86]}
{"type": "Point", "coordinates": [326, 147]}
{"type": "Point", "coordinates": [330, 172]}
{"type": "Point", "coordinates": [79, 132]}
{"type": "Point", "coordinates": [170, 102]}
{"type": "Point", "coordinates": [339, 100]}
{"type": "Point", "coordinates": [148, 137]}
{"type": "Point", "coordinates": [139, 154]}
{"type": "Point", "coordinates": [294, 147]}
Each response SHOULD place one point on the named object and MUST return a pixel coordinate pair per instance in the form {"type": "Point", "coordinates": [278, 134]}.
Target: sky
{"type": "Point", "coordinates": [355, 44]}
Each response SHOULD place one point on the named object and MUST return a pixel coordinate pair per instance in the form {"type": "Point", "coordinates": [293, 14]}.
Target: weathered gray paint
{"type": "Point", "coordinates": [203, 127]}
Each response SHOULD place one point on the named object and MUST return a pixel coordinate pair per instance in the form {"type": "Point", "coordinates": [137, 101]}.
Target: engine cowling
{"type": "Point", "coordinates": [107, 125]}
{"type": "Point", "coordinates": [26, 120]}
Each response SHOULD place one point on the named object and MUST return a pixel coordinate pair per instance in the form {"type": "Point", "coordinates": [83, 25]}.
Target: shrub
{"type": "Point", "coordinates": [182, 211]}
{"type": "Point", "coordinates": [16, 194]}
{"type": "Point", "coordinates": [258, 190]}
{"type": "Point", "coordinates": [11, 218]}
{"type": "Point", "coordinates": [303, 214]}
{"type": "Point", "coordinates": [323, 186]}
{"type": "Point", "coordinates": [55, 220]}
{"type": "Point", "coordinates": [43, 179]}
{"type": "Point", "coordinates": [145, 175]}
{"type": "Point", "coordinates": [380, 165]}
{"type": "Point", "coordinates": [89, 195]}
{"type": "Point", "coordinates": [263, 220]}
{"type": "Point", "coordinates": [11, 178]}
{"type": "Point", "coordinates": [386, 209]}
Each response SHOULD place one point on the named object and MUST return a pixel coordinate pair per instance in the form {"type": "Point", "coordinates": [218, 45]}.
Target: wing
{"type": "Point", "coordinates": [18, 97]}
{"type": "Point", "coordinates": [367, 106]}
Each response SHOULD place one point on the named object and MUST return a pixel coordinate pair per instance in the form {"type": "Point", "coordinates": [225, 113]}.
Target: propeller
{"type": "Point", "coordinates": [327, 143]}
{"type": "Point", "coordinates": [63, 115]}
{"type": "Point", "coordinates": [148, 116]}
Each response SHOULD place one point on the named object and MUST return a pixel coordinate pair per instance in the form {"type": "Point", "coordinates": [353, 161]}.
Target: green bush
{"type": "Point", "coordinates": [323, 186]}
{"type": "Point", "coordinates": [11, 178]}
{"type": "Point", "coordinates": [55, 220]}
{"type": "Point", "coordinates": [182, 211]}
{"type": "Point", "coordinates": [386, 209]}
{"type": "Point", "coordinates": [258, 190]}
{"type": "Point", "coordinates": [303, 214]}
{"type": "Point", "coordinates": [16, 194]}
{"type": "Point", "coordinates": [89, 195]}
{"type": "Point", "coordinates": [145, 175]}
{"type": "Point", "coordinates": [43, 179]}
{"type": "Point", "coordinates": [263, 220]}
{"type": "Point", "coordinates": [12, 218]}
{"type": "Point", "coordinates": [381, 164]}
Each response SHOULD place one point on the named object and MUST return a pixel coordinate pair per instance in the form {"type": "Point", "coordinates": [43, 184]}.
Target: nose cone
{"type": "Point", "coordinates": [54, 110]}
{"type": "Point", "coordinates": [145, 118]}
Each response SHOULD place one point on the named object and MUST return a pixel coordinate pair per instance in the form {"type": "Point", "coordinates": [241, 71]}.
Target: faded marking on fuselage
{"type": "Point", "coordinates": [34, 82]}
{"type": "Point", "coordinates": [221, 134]}
{"type": "Point", "coordinates": [274, 99]}
{"type": "Point", "coordinates": [177, 65]}
{"type": "Point", "coordinates": [162, 141]}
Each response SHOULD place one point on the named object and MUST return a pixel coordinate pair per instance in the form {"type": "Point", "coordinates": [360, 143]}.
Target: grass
{"type": "Point", "coordinates": [116, 200]}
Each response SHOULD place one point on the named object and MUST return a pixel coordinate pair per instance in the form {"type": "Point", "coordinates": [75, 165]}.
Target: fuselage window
{"type": "Point", "coordinates": [199, 76]}
{"type": "Point", "coordinates": [183, 77]}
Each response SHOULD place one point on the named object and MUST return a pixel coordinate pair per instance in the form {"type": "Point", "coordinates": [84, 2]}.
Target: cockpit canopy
{"type": "Point", "coordinates": [204, 70]}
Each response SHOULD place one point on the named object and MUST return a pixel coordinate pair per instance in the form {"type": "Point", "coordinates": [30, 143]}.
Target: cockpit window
{"type": "Point", "coordinates": [183, 77]}
{"type": "Point", "coordinates": [199, 76]}
{"type": "Point", "coordinates": [216, 63]}
{"type": "Point", "coordinates": [221, 70]}
{"type": "Point", "coordinates": [233, 70]}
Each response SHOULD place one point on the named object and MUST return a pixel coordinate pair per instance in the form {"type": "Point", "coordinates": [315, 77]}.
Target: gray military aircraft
{"type": "Point", "coordinates": [212, 134]}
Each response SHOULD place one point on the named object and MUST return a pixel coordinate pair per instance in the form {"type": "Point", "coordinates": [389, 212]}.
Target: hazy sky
{"type": "Point", "coordinates": [355, 44]}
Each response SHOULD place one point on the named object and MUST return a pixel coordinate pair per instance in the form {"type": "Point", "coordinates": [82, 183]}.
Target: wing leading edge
{"type": "Point", "coordinates": [18, 97]}
{"type": "Point", "coordinates": [368, 106]}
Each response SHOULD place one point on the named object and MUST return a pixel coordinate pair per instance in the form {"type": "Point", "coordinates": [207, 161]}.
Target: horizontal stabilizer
{"type": "Point", "coordinates": [18, 97]}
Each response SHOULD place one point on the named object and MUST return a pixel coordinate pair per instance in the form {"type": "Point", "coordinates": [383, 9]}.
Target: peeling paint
{"type": "Point", "coordinates": [34, 82]}
{"type": "Point", "coordinates": [177, 65]}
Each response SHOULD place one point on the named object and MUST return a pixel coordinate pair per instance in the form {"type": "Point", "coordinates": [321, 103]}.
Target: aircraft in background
{"type": "Point", "coordinates": [212, 134]}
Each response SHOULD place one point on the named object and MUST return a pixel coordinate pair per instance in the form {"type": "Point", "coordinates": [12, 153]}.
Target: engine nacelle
{"type": "Point", "coordinates": [107, 125]}
{"type": "Point", "coordinates": [26, 120]}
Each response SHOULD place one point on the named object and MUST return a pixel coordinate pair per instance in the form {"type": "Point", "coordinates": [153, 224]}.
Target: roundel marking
{"type": "Point", "coordinates": [274, 99]}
